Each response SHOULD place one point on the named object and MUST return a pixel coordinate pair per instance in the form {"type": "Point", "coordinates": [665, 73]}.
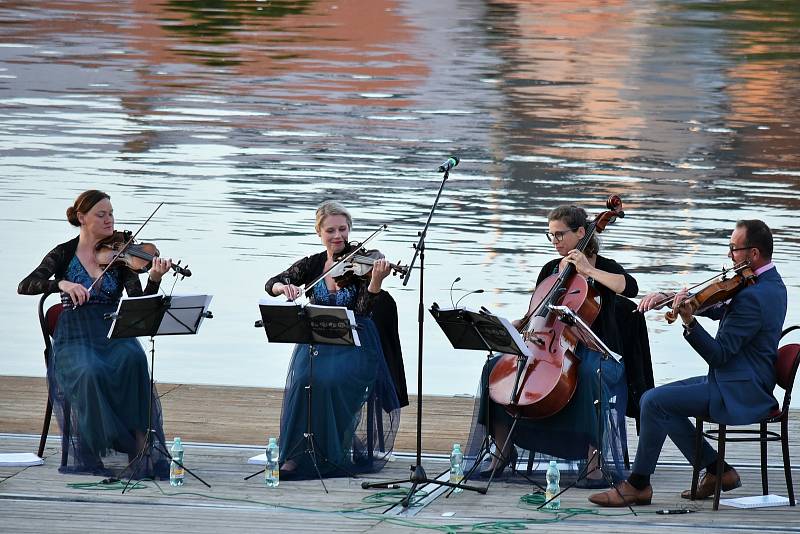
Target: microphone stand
{"type": "Point", "coordinates": [418, 475]}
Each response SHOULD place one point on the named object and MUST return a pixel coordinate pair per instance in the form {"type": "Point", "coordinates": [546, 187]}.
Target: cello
{"type": "Point", "coordinates": [538, 386]}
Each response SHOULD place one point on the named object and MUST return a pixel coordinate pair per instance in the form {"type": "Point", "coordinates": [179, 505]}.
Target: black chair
{"type": "Point", "coordinates": [47, 321]}
{"type": "Point", "coordinates": [785, 372]}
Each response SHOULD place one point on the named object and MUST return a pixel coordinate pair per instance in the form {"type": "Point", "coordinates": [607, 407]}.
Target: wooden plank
{"type": "Point", "coordinates": [36, 499]}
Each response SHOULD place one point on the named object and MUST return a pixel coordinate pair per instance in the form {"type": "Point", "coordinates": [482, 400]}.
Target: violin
{"type": "Point", "coordinates": [718, 291]}
{"type": "Point", "coordinates": [359, 266]}
{"type": "Point", "coordinates": [136, 256]}
{"type": "Point", "coordinates": [541, 385]}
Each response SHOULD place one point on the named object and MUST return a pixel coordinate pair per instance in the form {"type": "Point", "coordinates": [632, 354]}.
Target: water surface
{"type": "Point", "coordinates": [243, 116]}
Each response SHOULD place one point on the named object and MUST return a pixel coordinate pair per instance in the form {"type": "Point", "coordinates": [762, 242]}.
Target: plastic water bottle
{"type": "Point", "coordinates": [553, 478]}
{"type": "Point", "coordinates": [456, 467]}
{"type": "Point", "coordinates": [176, 471]}
{"type": "Point", "coordinates": [272, 470]}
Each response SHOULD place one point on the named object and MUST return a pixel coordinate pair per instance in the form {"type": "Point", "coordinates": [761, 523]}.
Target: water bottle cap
{"type": "Point", "coordinates": [553, 463]}
{"type": "Point", "coordinates": [177, 445]}
{"type": "Point", "coordinates": [271, 441]}
{"type": "Point", "coordinates": [456, 446]}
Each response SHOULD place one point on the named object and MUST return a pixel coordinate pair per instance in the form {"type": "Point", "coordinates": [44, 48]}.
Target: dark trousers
{"type": "Point", "coordinates": [665, 411]}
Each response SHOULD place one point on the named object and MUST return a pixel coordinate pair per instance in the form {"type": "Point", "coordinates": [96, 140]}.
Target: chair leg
{"type": "Point", "coordinates": [698, 441]}
{"type": "Point", "coordinates": [787, 464]}
{"type": "Point", "coordinates": [48, 413]}
{"type": "Point", "coordinates": [379, 426]}
{"type": "Point", "coordinates": [625, 457]}
{"type": "Point", "coordinates": [764, 476]}
{"type": "Point", "coordinates": [370, 423]}
{"type": "Point", "coordinates": [65, 434]}
{"type": "Point", "coordinates": [720, 466]}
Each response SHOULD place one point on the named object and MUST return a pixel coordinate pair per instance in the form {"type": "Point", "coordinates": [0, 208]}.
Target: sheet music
{"type": "Point", "coordinates": [492, 327]}
{"type": "Point", "coordinates": [326, 318]}
{"type": "Point", "coordinates": [184, 315]}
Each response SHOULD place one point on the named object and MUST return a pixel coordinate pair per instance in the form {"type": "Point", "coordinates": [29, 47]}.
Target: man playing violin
{"type": "Point", "coordinates": [741, 377]}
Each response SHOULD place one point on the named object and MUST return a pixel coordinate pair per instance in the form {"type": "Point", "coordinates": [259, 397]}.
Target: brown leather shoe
{"type": "Point", "coordinates": [705, 488]}
{"type": "Point", "coordinates": [623, 494]}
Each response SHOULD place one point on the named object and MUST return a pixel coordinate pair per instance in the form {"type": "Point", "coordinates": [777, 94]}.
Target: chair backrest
{"type": "Point", "coordinates": [48, 321]}
{"type": "Point", "coordinates": [786, 367]}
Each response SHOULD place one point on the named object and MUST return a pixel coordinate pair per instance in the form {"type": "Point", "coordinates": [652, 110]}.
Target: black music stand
{"type": "Point", "coordinates": [584, 333]}
{"type": "Point", "coordinates": [467, 329]}
{"type": "Point", "coordinates": [288, 322]}
{"type": "Point", "coordinates": [151, 316]}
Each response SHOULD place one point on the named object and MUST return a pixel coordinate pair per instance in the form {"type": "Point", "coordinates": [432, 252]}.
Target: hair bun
{"type": "Point", "coordinates": [72, 216]}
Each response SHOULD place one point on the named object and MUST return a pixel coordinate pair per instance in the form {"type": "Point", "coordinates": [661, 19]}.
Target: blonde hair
{"type": "Point", "coordinates": [331, 207]}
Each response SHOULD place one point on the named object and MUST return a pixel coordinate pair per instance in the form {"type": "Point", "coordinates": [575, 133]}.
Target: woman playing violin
{"type": "Point", "coordinates": [348, 382]}
{"type": "Point", "coordinates": [572, 433]}
{"type": "Point", "coordinates": [99, 385]}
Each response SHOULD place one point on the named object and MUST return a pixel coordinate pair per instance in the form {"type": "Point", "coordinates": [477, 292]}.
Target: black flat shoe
{"type": "Point", "coordinates": [290, 474]}
{"type": "Point", "coordinates": [512, 459]}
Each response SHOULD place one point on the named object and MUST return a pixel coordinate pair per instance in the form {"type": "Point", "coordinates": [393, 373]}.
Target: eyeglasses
{"type": "Point", "coordinates": [734, 248]}
{"type": "Point", "coordinates": [557, 237]}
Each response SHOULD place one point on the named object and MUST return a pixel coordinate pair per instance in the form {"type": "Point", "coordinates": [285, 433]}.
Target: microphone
{"type": "Point", "coordinates": [451, 162]}
{"type": "Point", "coordinates": [458, 279]}
{"type": "Point", "coordinates": [468, 294]}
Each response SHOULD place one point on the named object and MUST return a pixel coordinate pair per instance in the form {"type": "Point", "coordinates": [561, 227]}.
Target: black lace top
{"type": "Point", "coordinates": [54, 266]}
{"type": "Point", "coordinates": [307, 269]}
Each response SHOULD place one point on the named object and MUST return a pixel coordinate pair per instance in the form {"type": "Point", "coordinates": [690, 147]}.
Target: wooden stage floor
{"type": "Point", "coordinates": [35, 499]}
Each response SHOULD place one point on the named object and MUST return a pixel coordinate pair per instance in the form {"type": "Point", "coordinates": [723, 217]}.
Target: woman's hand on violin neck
{"type": "Point", "coordinates": [77, 293]}
{"type": "Point", "coordinates": [655, 301]}
{"type": "Point", "coordinates": [160, 267]}
{"type": "Point", "coordinates": [380, 270]}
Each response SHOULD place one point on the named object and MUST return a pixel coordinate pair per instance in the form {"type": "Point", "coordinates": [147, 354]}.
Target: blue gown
{"type": "Point", "coordinates": [354, 408]}
{"type": "Point", "coordinates": [100, 387]}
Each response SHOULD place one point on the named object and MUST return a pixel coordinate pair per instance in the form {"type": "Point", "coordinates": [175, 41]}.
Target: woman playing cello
{"type": "Point", "coordinates": [572, 432]}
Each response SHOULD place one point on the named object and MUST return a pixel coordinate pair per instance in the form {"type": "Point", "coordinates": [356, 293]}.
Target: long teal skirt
{"type": "Point", "coordinates": [100, 390]}
{"type": "Point", "coordinates": [354, 408]}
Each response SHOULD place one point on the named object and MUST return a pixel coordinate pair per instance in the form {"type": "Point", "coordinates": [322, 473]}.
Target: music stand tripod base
{"type": "Point", "coordinates": [289, 322]}
{"type": "Point", "coordinates": [590, 339]}
{"type": "Point", "coordinates": [151, 316]}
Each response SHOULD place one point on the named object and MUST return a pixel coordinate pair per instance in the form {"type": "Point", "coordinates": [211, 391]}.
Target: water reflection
{"type": "Point", "coordinates": [243, 116]}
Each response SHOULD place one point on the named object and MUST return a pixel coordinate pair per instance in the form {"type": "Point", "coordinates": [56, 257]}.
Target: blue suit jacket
{"type": "Point", "coordinates": [741, 358]}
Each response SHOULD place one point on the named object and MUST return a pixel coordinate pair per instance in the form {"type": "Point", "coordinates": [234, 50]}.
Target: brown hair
{"type": "Point", "coordinates": [83, 204]}
{"type": "Point", "coordinates": [575, 218]}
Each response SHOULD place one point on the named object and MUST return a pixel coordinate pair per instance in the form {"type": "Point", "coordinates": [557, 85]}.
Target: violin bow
{"type": "Point", "coordinates": [738, 267]}
{"type": "Point", "coordinates": [124, 247]}
{"type": "Point", "coordinates": [374, 234]}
